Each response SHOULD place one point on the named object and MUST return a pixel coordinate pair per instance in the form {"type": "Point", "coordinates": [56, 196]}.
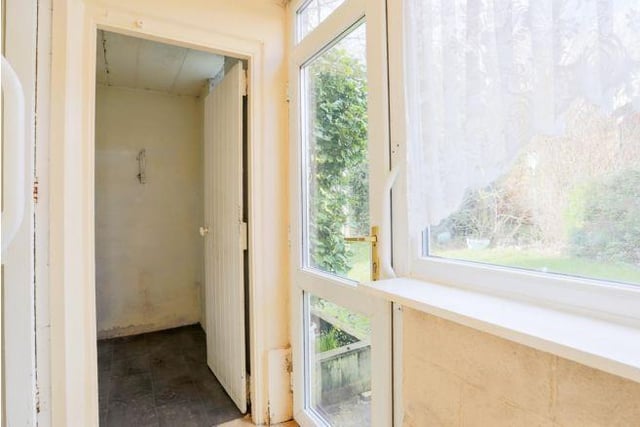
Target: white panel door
{"type": "Point", "coordinates": [225, 240]}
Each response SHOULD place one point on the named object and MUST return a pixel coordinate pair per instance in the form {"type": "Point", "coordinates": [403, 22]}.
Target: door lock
{"type": "Point", "coordinates": [375, 258]}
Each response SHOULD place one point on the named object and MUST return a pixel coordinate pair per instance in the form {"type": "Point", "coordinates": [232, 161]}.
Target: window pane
{"type": "Point", "coordinates": [313, 13]}
{"type": "Point", "coordinates": [334, 122]}
{"type": "Point", "coordinates": [524, 133]}
{"type": "Point", "coordinates": [338, 354]}
{"type": "Point", "coordinates": [569, 204]}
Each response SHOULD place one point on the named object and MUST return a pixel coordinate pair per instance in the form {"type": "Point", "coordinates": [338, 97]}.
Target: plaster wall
{"type": "Point", "coordinates": [265, 21]}
{"type": "Point", "coordinates": [256, 27]}
{"type": "Point", "coordinates": [149, 254]}
{"type": "Point", "coordinates": [458, 376]}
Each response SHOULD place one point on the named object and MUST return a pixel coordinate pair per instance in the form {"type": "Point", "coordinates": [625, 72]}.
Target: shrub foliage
{"type": "Point", "coordinates": [489, 213]}
{"type": "Point", "coordinates": [606, 219]}
{"type": "Point", "coordinates": [339, 192]}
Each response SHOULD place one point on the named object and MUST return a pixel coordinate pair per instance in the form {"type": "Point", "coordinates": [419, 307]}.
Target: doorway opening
{"type": "Point", "coordinates": [171, 240]}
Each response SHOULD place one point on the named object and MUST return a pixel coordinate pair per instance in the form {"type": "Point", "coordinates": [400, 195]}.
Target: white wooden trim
{"type": "Point", "coordinates": [296, 300]}
{"type": "Point", "coordinates": [73, 351]}
{"type": "Point", "coordinates": [72, 278]}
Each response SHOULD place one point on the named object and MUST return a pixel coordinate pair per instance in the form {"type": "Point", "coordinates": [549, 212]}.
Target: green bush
{"type": "Point", "coordinates": [339, 195]}
{"type": "Point", "coordinates": [327, 341]}
{"type": "Point", "coordinates": [605, 219]}
{"type": "Point", "coordinates": [489, 213]}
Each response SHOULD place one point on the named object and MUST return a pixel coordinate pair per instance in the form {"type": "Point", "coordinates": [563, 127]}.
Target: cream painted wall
{"type": "Point", "coordinates": [258, 29]}
{"type": "Point", "coordinates": [457, 376]}
{"type": "Point", "coordinates": [149, 254]}
{"type": "Point", "coordinates": [263, 20]}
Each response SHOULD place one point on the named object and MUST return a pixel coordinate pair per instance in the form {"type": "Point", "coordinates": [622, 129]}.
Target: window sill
{"type": "Point", "coordinates": [601, 344]}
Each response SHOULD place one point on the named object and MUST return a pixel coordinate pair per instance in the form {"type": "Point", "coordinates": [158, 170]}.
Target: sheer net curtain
{"type": "Point", "coordinates": [484, 76]}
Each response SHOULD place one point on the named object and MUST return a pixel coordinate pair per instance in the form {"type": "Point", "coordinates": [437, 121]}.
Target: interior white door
{"type": "Point", "coordinates": [225, 235]}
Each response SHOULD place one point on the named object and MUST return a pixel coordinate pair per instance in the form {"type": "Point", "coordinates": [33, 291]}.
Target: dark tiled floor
{"type": "Point", "coordinates": [160, 379]}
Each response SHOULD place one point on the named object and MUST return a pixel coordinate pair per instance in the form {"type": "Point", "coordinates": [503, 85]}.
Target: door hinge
{"type": "Point", "coordinates": [287, 94]}
{"type": "Point", "coordinates": [244, 236]}
{"type": "Point", "coordinates": [290, 371]}
{"type": "Point", "coordinates": [268, 412]}
{"type": "Point", "coordinates": [248, 389]}
{"type": "Point", "coordinates": [35, 190]}
{"type": "Point", "coordinates": [37, 399]}
{"type": "Point", "coordinates": [244, 84]}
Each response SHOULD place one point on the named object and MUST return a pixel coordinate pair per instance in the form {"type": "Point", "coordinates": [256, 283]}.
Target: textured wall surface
{"type": "Point", "coordinates": [148, 250]}
{"type": "Point", "coordinates": [457, 376]}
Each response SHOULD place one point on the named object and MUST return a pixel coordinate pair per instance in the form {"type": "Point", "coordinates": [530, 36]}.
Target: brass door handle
{"type": "Point", "coordinates": [370, 239]}
{"type": "Point", "coordinates": [375, 257]}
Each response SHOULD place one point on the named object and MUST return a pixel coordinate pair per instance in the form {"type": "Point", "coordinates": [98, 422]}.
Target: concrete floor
{"type": "Point", "coordinates": [161, 379]}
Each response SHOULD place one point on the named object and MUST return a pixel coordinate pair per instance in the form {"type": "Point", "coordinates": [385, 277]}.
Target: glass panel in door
{"type": "Point", "coordinates": [338, 363]}
{"type": "Point", "coordinates": [313, 13]}
{"type": "Point", "coordinates": [335, 144]}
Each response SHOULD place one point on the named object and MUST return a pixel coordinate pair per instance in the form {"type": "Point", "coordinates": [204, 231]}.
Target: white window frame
{"type": "Point", "coordinates": [520, 297]}
{"type": "Point", "coordinates": [611, 301]}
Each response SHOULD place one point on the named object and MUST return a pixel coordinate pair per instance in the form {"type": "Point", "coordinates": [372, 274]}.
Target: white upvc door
{"type": "Point", "coordinates": [225, 234]}
{"type": "Point", "coordinates": [17, 312]}
{"type": "Point", "coordinates": [341, 336]}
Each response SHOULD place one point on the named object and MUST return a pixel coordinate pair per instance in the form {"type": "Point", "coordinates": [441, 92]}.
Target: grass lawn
{"type": "Point", "coordinates": [532, 260]}
{"type": "Point", "coordinates": [360, 262]}
{"type": "Point", "coordinates": [360, 326]}
{"type": "Point", "coordinates": [342, 318]}
{"type": "Point", "coordinates": [352, 323]}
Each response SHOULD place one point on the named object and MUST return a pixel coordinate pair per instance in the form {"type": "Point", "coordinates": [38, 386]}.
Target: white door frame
{"type": "Point", "coordinates": [305, 280]}
{"type": "Point", "coordinates": [71, 216]}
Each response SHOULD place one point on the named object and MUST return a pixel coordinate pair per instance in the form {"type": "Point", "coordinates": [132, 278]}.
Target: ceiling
{"type": "Point", "coordinates": [143, 64]}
